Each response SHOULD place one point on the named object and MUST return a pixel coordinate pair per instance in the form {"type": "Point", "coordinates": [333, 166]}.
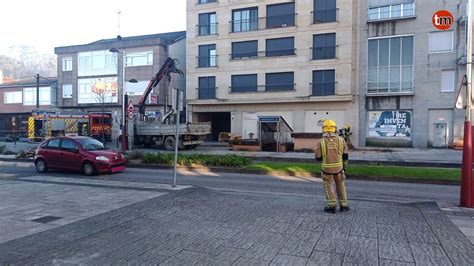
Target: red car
{"type": "Point", "coordinates": [83, 154]}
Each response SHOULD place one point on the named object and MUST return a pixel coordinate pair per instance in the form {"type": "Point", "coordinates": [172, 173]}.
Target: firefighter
{"type": "Point", "coordinates": [332, 151]}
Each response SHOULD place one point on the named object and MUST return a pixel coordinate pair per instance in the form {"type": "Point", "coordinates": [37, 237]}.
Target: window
{"type": "Point", "coordinates": [207, 24]}
{"type": "Point", "coordinates": [324, 82]}
{"type": "Point", "coordinates": [324, 11]}
{"type": "Point", "coordinates": [53, 144]}
{"type": "Point", "coordinates": [394, 11]}
{"type": "Point", "coordinates": [97, 90]}
{"type": "Point", "coordinates": [441, 42]}
{"type": "Point", "coordinates": [280, 47]}
{"type": "Point", "coordinates": [281, 15]}
{"type": "Point", "coordinates": [207, 56]}
{"type": "Point", "coordinates": [244, 49]}
{"type": "Point", "coordinates": [67, 63]}
{"type": "Point", "coordinates": [97, 63]}
{"type": "Point", "coordinates": [207, 88]}
{"type": "Point", "coordinates": [67, 90]}
{"type": "Point", "coordinates": [390, 65]}
{"type": "Point", "coordinates": [139, 59]}
{"type": "Point", "coordinates": [279, 81]}
{"type": "Point", "coordinates": [68, 145]}
{"type": "Point", "coordinates": [29, 96]}
{"type": "Point", "coordinates": [206, 1]}
{"type": "Point", "coordinates": [244, 83]}
{"type": "Point", "coordinates": [245, 19]}
{"type": "Point", "coordinates": [10, 97]}
{"type": "Point", "coordinates": [447, 81]}
{"type": "Point", "coordinates": [324, 46]}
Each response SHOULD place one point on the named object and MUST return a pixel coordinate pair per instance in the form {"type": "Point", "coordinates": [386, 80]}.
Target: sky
{"type": "Point", "coordinates": [45, 24]}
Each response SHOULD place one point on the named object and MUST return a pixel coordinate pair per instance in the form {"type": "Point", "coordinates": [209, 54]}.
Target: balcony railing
{"type": "Point", "coordinates": [200, 2]}
{"type": "Point", "coordinates": [280, 87]}
{"type": "Point", "coordinates": [206, 61]}
{"type": "Point", "coordinates": [263, 88]}
{"type": "Point", "coordinates": [270, 22]}
{"type": "Point", "coordinates": [324, 52]}
{"type": "Point", "coordinates": [323, 88]}
{"type": "Point", "coordinates": [207, 29]}
{"type": "Point", "coordinates": [260, 54]}
{"type": "Point", "coordinates": [325, 16]}
{"type": "Point", "coordinates": [207, 93]}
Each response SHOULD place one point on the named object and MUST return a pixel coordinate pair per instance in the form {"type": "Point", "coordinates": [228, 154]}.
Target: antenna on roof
{"type": "Point", "coordinates": [119, 13]}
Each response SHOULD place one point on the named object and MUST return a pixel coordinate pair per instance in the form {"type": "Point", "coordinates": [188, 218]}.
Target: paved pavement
{"type": "Point", "coordinates": [197, 226]}
{"type": "Point", "coordinates": [408, 156]}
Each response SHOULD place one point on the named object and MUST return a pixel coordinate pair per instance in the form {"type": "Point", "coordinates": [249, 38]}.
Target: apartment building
{"type": "Point", "coordinates": [251, 58]}
{"type": "Point", "coordinates": [19, 98]}
{"type": "Point", "coordinates": [410, 73]}
{"type": "Point", "coordinates": [91, 76]}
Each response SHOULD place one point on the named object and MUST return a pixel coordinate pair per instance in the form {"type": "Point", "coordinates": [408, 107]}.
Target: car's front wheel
{"type": "Point", "coordinates": [88, 169]}
{"type": "Point", "coordinates": [41, 166]}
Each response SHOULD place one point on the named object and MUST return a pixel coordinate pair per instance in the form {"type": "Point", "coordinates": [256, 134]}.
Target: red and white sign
{"type": "Point", "coordinates": [130, 110]}
{"type": "Point", "coordinates": [442, 20]}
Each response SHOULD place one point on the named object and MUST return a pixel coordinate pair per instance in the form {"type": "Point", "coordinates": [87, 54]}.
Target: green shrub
{"type": "Point", "coordinates": [197, 160]}
{"type": "Point", "coordinates": [135, 154]}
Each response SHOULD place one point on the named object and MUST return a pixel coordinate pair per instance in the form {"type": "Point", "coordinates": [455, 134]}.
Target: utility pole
{"type": "Point", "coordinates": [466, 197]}
{"type": "Point", "coordinates": [176, 137]}
{"type": "Point", "coordinates": [37, 91]}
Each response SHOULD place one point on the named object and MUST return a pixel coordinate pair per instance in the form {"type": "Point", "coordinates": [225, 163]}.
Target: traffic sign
{"type": "Point", "coordinates": [130, 110]}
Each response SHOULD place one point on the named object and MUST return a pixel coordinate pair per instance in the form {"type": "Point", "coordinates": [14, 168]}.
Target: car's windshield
{"type": "Point", "coordinates": [91, 144]}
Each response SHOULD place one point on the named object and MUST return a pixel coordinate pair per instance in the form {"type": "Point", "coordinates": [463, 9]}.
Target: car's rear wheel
{"type": "Point", "coordinates": [41, 166]}
{"type": "Point", "coordinates": [88, 169]}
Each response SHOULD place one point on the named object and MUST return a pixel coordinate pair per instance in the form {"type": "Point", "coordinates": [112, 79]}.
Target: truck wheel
{"type": "Point", "coordinates": [169, 143]}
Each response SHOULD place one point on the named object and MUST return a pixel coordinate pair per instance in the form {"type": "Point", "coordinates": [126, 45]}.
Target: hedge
{"type": "Point", "coordinates": [197, 160]}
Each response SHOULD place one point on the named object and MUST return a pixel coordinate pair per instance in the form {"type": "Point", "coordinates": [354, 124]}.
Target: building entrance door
{"type": "Point", "coordinates": [440, 132]}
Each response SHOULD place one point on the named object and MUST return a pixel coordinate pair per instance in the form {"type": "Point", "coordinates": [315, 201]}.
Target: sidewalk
{"type": "Point", "coordinates": [197, 226]}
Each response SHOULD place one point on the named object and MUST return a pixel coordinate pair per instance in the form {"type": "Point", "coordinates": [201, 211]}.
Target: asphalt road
{"type": "Point", "coordinates": [285, 185]}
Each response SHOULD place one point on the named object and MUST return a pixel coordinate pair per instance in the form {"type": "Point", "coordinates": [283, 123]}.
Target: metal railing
{"type": "Point", "coordinates": [280, 87]}
{"type": "Point", "coordinates": [260, 54]}
{"type": "Point", "coordinates": [270, 22]}
{"type": "Point", "coordinates": [323, 88]}
{"type": "Point", "coordinates": [206, 61]}
{"type": "Point", "coordinates": [207, 93]}
{"type": "Point", "coordinates": [200, 2]}
{"type": "Point", "coordinates": [207, 29]}
{"type": "Point", "coordinates": [325, 16]}
{"type": "Point", "coordinates": [324, 52]}
{"type": "Point", "coordinates": [263, 88]}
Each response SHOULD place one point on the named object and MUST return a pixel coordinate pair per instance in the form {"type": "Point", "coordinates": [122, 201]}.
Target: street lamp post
{"type": "Point", "coordinates": [124, 104]}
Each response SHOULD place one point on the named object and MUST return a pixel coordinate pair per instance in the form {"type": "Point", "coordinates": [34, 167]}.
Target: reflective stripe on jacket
{"type": "Point", "coordinates": [331, 149]}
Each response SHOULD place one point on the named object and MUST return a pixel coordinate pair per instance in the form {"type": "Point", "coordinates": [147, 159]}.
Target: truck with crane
{"type": "Point", "coordinates": [160, 131]}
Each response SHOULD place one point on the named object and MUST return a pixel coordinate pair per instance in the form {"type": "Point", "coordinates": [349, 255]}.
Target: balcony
{"type": "Point", "coordinates": [200, 2]}
{"type": "Point", "coordinates": [324, 53]}
{"type": "Point", "coordinates": [207, 93]}
{"type": "Point", "coordinates": [262, 54]}
{"type": "Point", "coordinates": [263, 88]}
{"type": "Point", "coordinates": [206, 61]}
{"type": "Point", "coordinates": [392, 12]}
{"type": "Point", "coordinates": [207, 29]}
{"type": "Point", "coordinates": [272, 22]}
{"type": "Point", "coordinates": [323, 88]}
{"type": "Point", "coordinates": [325, 16]}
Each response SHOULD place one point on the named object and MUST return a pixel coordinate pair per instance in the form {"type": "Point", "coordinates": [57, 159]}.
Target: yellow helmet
{"type": "Point", "coordinates": [329, 126]}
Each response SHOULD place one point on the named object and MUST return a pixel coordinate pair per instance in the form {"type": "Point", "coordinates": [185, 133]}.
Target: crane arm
{"type": "Point", "coordinates": [165, 71]}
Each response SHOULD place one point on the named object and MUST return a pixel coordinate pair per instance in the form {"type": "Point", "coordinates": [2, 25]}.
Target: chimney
{"type": "Point", "coordinates": [1, 76]}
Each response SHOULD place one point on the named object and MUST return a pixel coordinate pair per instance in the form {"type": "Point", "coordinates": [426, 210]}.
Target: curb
{"type": "Point", "coordinates": [294, 174]}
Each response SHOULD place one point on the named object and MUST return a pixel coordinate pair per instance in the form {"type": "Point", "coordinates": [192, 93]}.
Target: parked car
{"type": "Point", "coordinates": [83, 154]}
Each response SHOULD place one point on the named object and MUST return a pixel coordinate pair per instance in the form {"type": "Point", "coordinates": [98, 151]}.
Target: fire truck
{"type": "Point", "coordinates": [46, 124]}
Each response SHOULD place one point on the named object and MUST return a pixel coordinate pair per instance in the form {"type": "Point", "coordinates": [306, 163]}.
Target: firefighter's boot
{"type": "Point", "coordinates": [330, 209]}
{"type": "Point", "coordinates": [344, 209]}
